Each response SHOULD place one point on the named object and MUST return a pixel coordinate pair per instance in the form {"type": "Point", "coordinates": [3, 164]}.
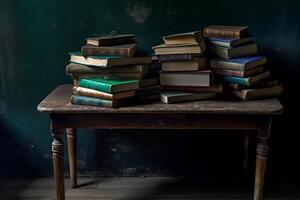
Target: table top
{"type": "Point", "coordinates": [59, 102]}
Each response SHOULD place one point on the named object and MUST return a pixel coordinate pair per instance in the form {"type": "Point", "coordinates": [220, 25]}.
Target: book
{"type": "Point", "coordinates": [108, 84]}
{"type": "Point", "coordinates": [164, 49]}
{"type": "Point", "coordinates": [176, 97]}
{"type": "Point", "coordinates": [249, 94]}
{"type": "Point", "coordinates": [108, 61]}
{"type": "Point", "coordinates": [185, 38]}
{"type": "Point", "coordinates": [125, 50]}
{"type": "Point", "coordinates": [235, 52]}
{"type": "Point", "coordinates": [244, 74]}
{"type": "Point", "coordinates": [80, 91]}
{"type": "Point", "coordinates": [198, 78]}
{"type": "Point", "coordinates": [245, 81]}
{"type": "Point", "coordinates": [74, 68]}
{"type": "Point", "coordinates": [259, 84]}
{"type": "Point", "coordinates": [122, 76]}
{"type": "Point", "coordinates": [175, 57]}
{"type": "Point", "coordinates": [184, 65]}
{"type": "Point", "coordinates": [91, 101]}
{"type": "Point", "coordinates": [111, 40]}
{"type": "Point", "coordinates": [214, 88]}
{"type": "Point", "coordinates": [229, 42]}
{"type": "Point", "coordinates": [216, 31]}
{"type": "Point", "coordinates": [239, 64]}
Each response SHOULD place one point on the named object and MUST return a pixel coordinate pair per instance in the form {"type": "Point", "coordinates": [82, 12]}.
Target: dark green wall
{"type": "Point", "coordinates": [36, 36]}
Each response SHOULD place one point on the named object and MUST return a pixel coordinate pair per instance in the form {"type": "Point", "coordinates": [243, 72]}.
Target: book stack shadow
{"type": "Point", "coordinates": [108, 72]}
{"type": "Point", "coordinates": [237, 65]}
{"type": "Point", "coordinates": [184, 74]}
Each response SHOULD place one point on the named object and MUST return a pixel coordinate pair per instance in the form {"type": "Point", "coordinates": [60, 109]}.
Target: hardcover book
{"type": "Point", "coordinates": [178, 49]}
{"type": "Point", "coordinates": [214, 88]}
{"type": "Point", "coordinates": [245, 81]}
{"type": "Point", "coordinates": [109, 84]}
{"type": "Point", "coordinates": [126, 50]}
{"type": "Point", "coordinates": [176, 97]}
{"type": "Point", "coordinates": [239, 64]}
{"type": "Point", "coordinates": [108, 61]}
{"type": "Point", "coordinates": [184, 38]}
{"type": "Point", "coordinates": [243, 74]}
{"type": "Point", "coordinates": [216, 31]}
{"type": "Point", "coordinates": [259, 84]}
{"type": "Point", "coordinates": [249, 94]}
{"type": "Point", "coordinates": [184, 65]}
{"type": "Point", "coordinates": [199, 78]}
{"type": "Point", "coordinates": [175, 57]}
{"type": "Point", "coordinates": [235, 52]}
{"type": "Point", "coordinates": [91, 101]}
{"type": "Point", "coordinates": [80, 91]}
{"type": "Point", "coordinates": [111, 40]}
{"type": "Point", "coordinates": [229, 42]}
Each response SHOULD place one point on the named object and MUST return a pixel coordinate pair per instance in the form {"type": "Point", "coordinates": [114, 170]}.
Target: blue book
{"type": "Point", "coordinates": [245, 81]}
{"type": "Point", "coordinates": [239, 64]}
{"type": "Point", "coordinates": [108, 61]}
{"type": "Point", "coordinates": [229, 42]}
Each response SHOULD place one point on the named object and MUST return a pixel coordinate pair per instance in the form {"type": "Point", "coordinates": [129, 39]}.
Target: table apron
{"type": "Point", "coordinates": [160, 121]}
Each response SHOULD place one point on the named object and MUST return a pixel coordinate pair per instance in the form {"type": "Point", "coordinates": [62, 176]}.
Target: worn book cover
{"type": "Point", "coordinates": [111, 40]}
{"type": "Point", "coordinates": [125, 50]}
{"type": "Point", "coordinates": [216, 31]}
{"type": "Point", "coordinates": [91, 101]}
{"type": "Point", "coordinates": [176, 97]}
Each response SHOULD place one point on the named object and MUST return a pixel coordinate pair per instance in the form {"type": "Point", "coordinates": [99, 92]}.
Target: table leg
{"type": "Point", "coordinates": [246, 152]}
{"type": "Point", "coordinates": [72, 135]}
{"type": "Point", "coordinates": [261, 160]}
{"type": "Point", "coordinates": [58, 161]}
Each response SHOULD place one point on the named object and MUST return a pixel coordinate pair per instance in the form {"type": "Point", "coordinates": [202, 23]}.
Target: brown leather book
{"type": "Point", "coordinates": [111, 40]}
{"type": "Point", "coordinates": [126, 50]}
{"type": "Point", "coordinates": [214, 88]}
{"type": "Point", "coordinates": [215, 31]}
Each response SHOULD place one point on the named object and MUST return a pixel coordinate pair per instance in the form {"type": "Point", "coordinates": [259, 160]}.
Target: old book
{"type": "Point", "coordinates": [239, 64]}
{"type": "Point", "coordinates": [184, 65]}
{"type": "Point", "coordinates": [235, 52]}
{"type": "Point", "coordinates": [109, 84]}
{"type": "Point", "coordinates": [175, 57]}
{"type": "Point", "coordinates": [164, 49]}
{"type": "Point", "coordinates": [215, 31]}
{"type": "Point", "coordinates": [108, 61]}
{"type": "Point", "coordinates": [122, 76]}
{"type": "Point", "coordinates": [229, 42]}
{"type": "Point", "coordinates": [243, 74]}
{"type": "Point", "coordinates": [102, 95]}
{"type": "Point", "coordinates": [91, 101]}
{"type": "Point", "coordinates": [199, 78]}
{"type": "Point", "coordinates": [74, 68]}
{"type": "Point", "coordinates": [214, 88]}
{"type": "Point", "coordinates": [176, 97]}
{"type": "Point", "coordinates": [245, 81]}
{"type": "Point", "coordinates": [259, 84]}
{"type": "Point", "coordinates": [125, 50]}
{"type": "Point", "coordinates": [249, 94]}
{"type": "Point", "coordinates": [111, 40]}
{"type": "Point", "coordinates": [185, 38]}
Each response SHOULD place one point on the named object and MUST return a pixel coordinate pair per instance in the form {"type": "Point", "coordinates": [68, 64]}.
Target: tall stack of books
{"type": "Point", "coordinates": [107, 72]}
{"type": "Point", "coordinates": [184, 73]}
{"type": "Point", "coordinates": [237, 64]}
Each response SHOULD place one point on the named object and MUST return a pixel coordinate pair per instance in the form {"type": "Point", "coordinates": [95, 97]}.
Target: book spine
{"type": "Point", "coordinates": [117, 41]}
{"type": "Point", "coordinates": [90, 101]}
{"type": "Point", "coordinates": [83, 69]}
{"type": "Point", "coordinates": [226, 65]}
{"type": "Point", "coordinates": [229, 73]}
{"type": "Point", "coordinates": [95, 85]}
{"type": "Point", "coordinates": [96, 51]}
{"type": "Point", "coordinates": [220, 52]}
{"type": "Point", "coordinates": [91, 93]}
{"type": "Point", "coordinates": [217, 88]}
{"type": "Point", "coordinates": [221, 33]}
{"type": "Point", "coordinates": [238, 80]}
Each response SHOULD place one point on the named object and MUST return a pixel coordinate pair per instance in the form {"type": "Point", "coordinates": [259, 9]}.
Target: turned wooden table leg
{"type": "Point", "coordinates": [71, 135]}
{"type": "Point", "coordinates": [58, 161]}
{"type": "Point", "coordinates": [246, 152]}
{"type": "Point", "coordinates": [261, 160]}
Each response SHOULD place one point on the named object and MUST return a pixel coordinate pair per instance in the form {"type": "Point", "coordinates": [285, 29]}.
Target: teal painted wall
{"type": "Point", "coordinates": [36, 36]}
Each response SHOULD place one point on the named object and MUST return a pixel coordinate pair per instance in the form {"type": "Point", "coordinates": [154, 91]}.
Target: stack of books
{"type": "Point", "coordinates": [184, 73]}
{"type": "Point", "coordinates": [237, 64]}
{"type": "Point", "coordinates": [107, 72]}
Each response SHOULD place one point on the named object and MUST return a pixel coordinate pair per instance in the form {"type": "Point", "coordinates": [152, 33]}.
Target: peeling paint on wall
{"type": "Point", "coordinates": [138, 11]}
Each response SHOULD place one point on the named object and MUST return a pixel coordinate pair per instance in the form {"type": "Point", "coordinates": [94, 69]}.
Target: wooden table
{"type": "Point", "coordinates": [213, 114]}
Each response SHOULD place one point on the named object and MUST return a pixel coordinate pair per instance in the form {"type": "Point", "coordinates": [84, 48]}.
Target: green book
{"type": "Point", "coordinates": [91, 101]}
{"type": "Point", "coordinates": [109, 84]}
{"type": "Point", "coordinates": [245, 81]}
{"type": "Point", "coordinates": [176, 96]}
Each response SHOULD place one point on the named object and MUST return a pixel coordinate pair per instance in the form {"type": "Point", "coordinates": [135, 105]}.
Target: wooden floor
{"type": "Point", "coordinates": [124, 188]}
